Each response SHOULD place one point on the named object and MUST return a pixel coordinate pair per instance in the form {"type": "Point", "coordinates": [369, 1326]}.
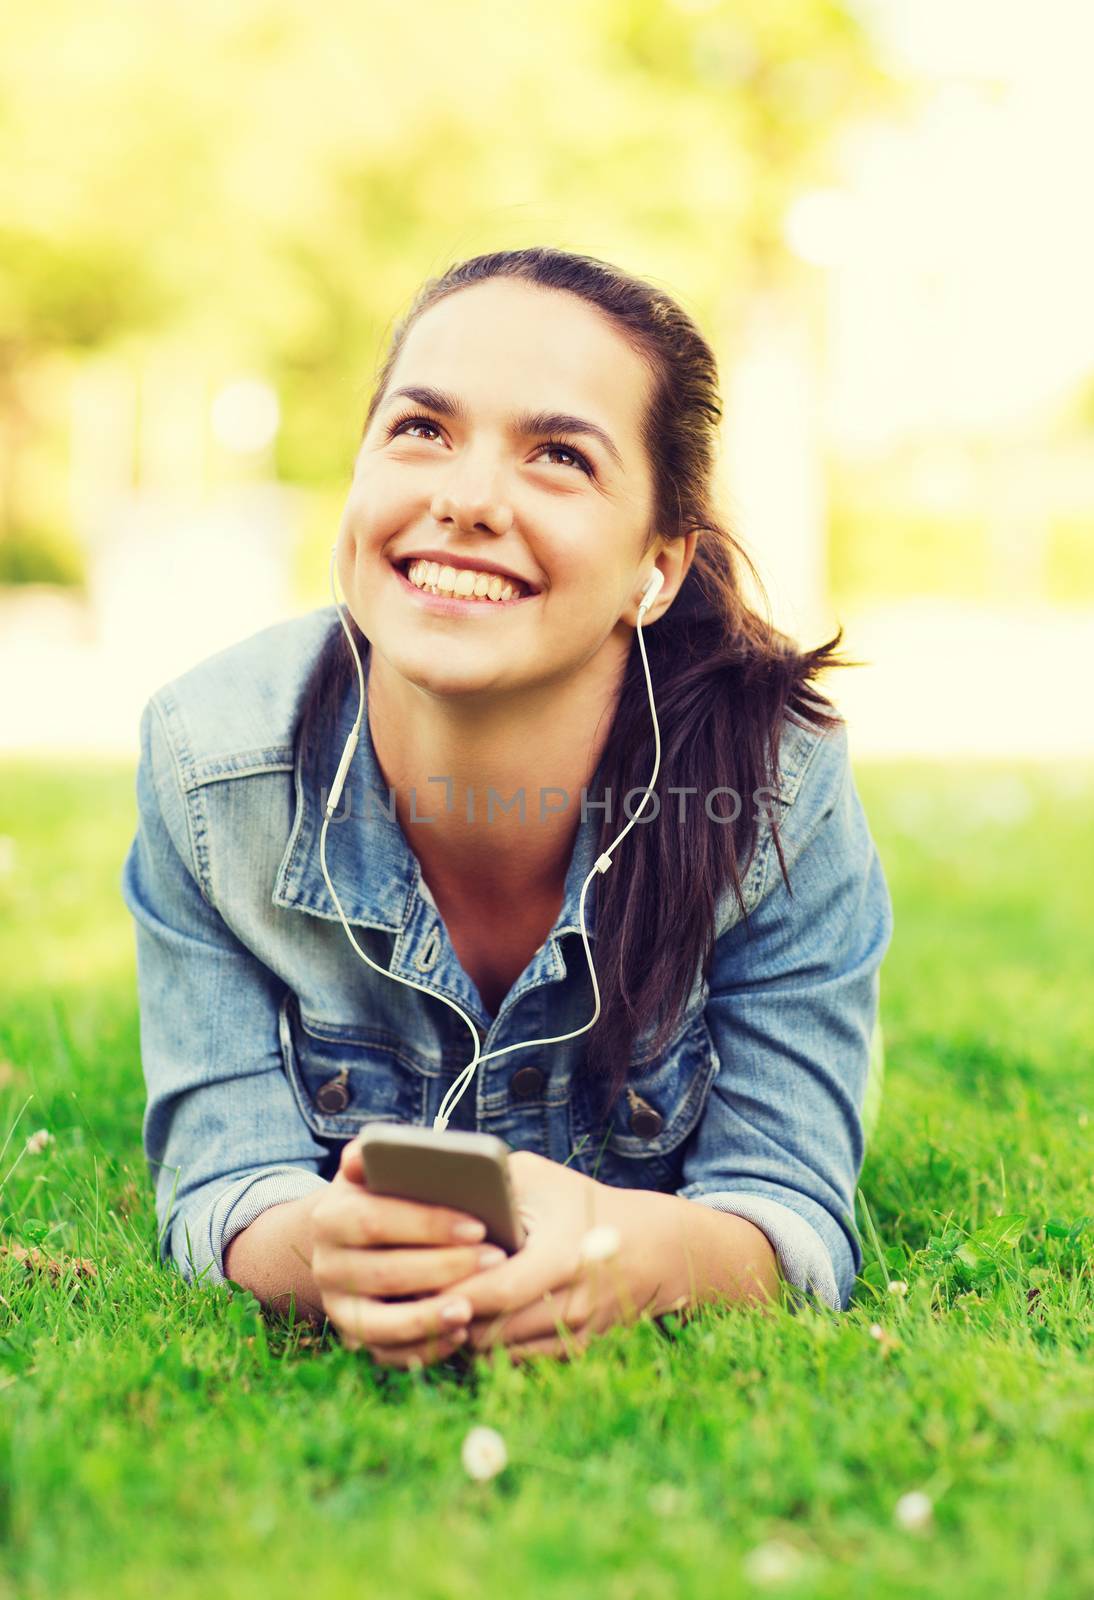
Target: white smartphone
{"type": "Point", "coordinates": [449, 1167]}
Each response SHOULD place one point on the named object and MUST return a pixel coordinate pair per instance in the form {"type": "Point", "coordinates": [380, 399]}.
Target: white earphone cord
{"type": "Point", "coordinates": [602, 863]}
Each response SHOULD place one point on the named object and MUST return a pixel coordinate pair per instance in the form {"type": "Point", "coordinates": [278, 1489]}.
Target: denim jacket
{"type": "Point", "coordinates": [267, 1042]}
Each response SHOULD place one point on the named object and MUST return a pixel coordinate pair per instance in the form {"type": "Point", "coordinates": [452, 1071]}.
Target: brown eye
{"type": "Point", "coordinates": [576, 457]}
{"type": "Point", "coordinates": [402, 422]}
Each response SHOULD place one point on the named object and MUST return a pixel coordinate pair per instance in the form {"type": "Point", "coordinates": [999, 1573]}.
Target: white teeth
{"type": "Point", "coordinates": [462, 582]}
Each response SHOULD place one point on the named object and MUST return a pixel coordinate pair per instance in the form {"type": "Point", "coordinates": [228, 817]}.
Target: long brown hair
{"type": "Point", "coordinates": [724, 677]}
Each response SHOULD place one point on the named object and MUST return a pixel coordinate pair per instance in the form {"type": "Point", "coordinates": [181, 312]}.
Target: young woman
{"type": "Point", "coordinates": [540, 440]}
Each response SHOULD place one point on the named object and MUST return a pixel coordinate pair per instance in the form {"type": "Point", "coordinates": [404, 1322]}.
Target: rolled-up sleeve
{"type": "Point", "coordinates": [223, 1137]}
{"type": "Point", "coordinates": [791, 1009]}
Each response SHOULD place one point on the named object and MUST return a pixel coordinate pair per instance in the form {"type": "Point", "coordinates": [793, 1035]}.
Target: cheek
{"type": "Point", "coordinates": [345, 560]}
{"type": "Point", "coordinates": [575, 573]}
{"type": "Point", "coordinates": [592, 600]}
{"type": "Point", "coordinates": [368, 525]}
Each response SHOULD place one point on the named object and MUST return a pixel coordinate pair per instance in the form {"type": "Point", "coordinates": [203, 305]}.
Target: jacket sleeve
{"type": "Point", "coordinates": [791, 1009]}
{"type": "Point", "coordinates": [222, 1134]}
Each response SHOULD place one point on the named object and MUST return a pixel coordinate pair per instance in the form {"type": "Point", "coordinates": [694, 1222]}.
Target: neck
{"type": "Point", "coordinates": [484, 753]}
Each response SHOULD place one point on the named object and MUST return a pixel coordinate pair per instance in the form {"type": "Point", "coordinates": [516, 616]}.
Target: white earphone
{"type": "Point", "coordinates": [455, 1091]}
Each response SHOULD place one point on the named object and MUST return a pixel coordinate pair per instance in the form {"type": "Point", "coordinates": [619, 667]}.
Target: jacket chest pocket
{"type": "Point", "coordinates": [640, 1145]}
{"type": "Point", "coordinates": [346, 1076]}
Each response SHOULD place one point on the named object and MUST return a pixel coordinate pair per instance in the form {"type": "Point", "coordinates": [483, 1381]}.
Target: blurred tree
{"type": "Point", "coordinates": [68, 294]}
{"type": "Point", "coordinates": [272, 181]}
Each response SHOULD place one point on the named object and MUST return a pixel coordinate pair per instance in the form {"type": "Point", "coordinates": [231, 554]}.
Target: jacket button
{"type": "Point", "coordinates": [646, 1123]}
{"type": "Point", "coordinates": [333, 1096]}
{"type": "Point", "coordinates": [526, 1082]}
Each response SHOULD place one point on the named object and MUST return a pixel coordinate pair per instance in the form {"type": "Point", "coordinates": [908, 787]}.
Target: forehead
{"type": "Point", "coordinates": [504, 346]}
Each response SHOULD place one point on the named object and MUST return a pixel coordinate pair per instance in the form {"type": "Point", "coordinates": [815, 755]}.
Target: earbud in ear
{"type": "Point", "coordinates": [652, 589]}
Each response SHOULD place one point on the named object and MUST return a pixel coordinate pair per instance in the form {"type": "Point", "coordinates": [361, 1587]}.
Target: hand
{"type": "Point", "coordinates": [360, 1277]}
{"type": "Point", "coordinates": [547, 1282]}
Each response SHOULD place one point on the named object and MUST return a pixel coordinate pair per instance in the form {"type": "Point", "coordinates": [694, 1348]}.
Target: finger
{"type": "Point", "coordinates": [383, 1273]}
{"type": "Point", "coordinates": [556, 1349]}
{"type": "Point", "coordinates": [351, 1166]}
{"type": "Point", "coordinates": [399, 1322]}
{"type": "Point", "coordinates": [554, 1316]}
{"type": "Point", "coordinates": [351, 1163]}
{"type": "Point", "coordinates": [422, 1354]}
{"type": "Point", "coordinates": [364, 1219]}
{"type": "Point", "coordinates": [531, 1350]}
{"type": "Point", "coordinates": [524, 1277]}
{"type": "Point", "coordinates": [541, 1350]}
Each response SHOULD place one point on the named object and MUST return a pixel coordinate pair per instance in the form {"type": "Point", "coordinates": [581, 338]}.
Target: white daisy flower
{"type": "Point", "coordinates": [484, 1454]}
{"type": "Point", "coordinates": [898, 1286]}
{"type": "Point", "coordinates": [600, 1244]}
{"type": "Point", "coordinates": [38, 1141]}
{"type": "Point", "coordinates": [876, 1331]}
{"type": "Point", "coordinates": [773, 1562]}
{"type": "Point", "coordinates": [913, 1511]}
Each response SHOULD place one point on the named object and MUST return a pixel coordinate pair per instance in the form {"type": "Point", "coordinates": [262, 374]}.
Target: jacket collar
{"type": "Point", "coordinates": [375, 873]}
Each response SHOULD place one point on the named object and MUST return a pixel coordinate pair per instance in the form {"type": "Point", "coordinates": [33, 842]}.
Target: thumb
{"type": "Point", "coordinates": [351, 1164]}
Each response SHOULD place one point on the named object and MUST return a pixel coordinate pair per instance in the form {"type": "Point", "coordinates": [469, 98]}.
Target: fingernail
{"type": "Point", "coordinates": [491, 1256]}
{"type": "Point", "coordinates": [469, 1232]}
{"type": "Point", "coordinates": [456, 1311]}
{"type": "Point", "coordinates": [458, 1336]}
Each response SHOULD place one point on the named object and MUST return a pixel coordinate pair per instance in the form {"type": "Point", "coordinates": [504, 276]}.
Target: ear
{"type": "Point", "coordinates": [673, 559]}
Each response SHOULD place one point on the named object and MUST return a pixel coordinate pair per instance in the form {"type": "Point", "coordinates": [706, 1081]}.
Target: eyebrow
{"type": "Point", "coordinates": [446, 405]}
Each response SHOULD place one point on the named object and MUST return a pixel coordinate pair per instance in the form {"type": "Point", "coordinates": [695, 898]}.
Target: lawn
{"type": "Point", "coordinates": [169, 1441]}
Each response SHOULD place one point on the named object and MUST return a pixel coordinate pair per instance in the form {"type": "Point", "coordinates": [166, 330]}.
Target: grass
{"type": "Point", "coordinates": [158, 1439]}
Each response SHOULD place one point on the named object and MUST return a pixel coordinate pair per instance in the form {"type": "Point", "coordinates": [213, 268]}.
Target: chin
{"type": "Point", "coordinates": [448, 679]}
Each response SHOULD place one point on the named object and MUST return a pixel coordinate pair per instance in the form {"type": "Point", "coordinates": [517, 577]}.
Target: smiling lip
{"type": "Point", "coordinates": [448, 605]}
{"type": "Point", "coordinates": [444, 559]}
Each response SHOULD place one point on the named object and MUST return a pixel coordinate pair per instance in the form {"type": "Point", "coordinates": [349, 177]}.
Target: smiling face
{"type": "Point", "coordinates": [467, 470]}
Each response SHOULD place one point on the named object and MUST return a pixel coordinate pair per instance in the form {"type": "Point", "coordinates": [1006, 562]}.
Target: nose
{"type": "Point", "coordinates": [471, 505]}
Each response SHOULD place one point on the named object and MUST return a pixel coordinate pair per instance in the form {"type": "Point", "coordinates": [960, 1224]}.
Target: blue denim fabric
{"type": "Point", "coordinates": [252, 998]}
